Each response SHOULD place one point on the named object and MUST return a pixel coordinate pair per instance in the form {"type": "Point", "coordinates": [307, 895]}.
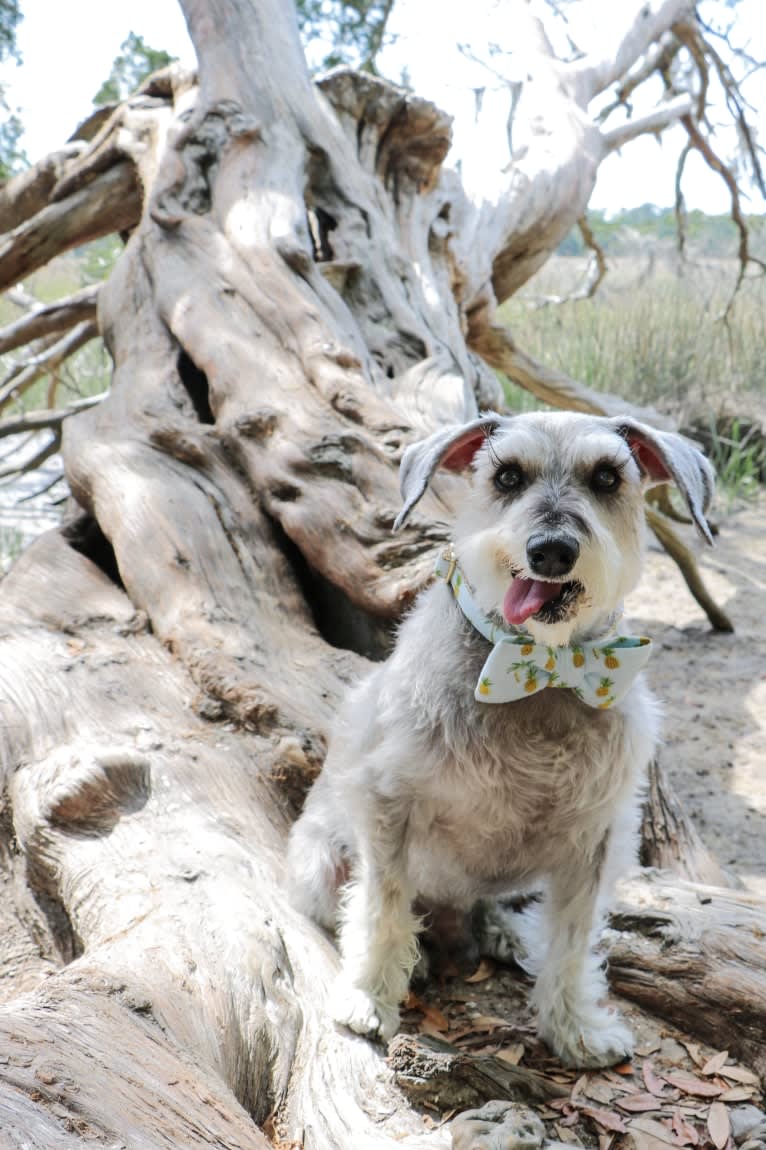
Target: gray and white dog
{"type": "Point", "coordinates": [429, 792]}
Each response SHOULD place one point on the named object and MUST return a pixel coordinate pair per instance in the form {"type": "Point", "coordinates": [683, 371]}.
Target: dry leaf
{"type": "Point", "coordinates": [599, 1091]}
{"type": "Point", "coordinates": [737, 1094]}
{"type": "Point", "coordinates": [512, 1054]}
{"type": "Point", "coordinates": [696, 1055]}
{"type": "Point", "coordinates": [718, 1125]}
{"type": "Point", "coordinates": [653, 1129]}
{"type": "Point", "coordinates": [686, 1134]}
{"type": "Point", "coordinates": [648, 1048]}
{"type": "Point", "coordinates": [605, 1141]}
{"type": "Point", "coordinates": [606, 1118]}
{"type": "Point", "coordinates": [653, 1083]}
{"type": "Point", "coordinates": [435, 1016]}
{"type": "Point", "coordinates": [578, 1086]}
{"type": "Point", "coordinates": [622, 1084]}
{"type": "Point", "coordinates": [567, 1135]}
{"type": "Point", "coordinates": [642, 1141]}
{"type": "Point", "coordinates": [484, 970]}
{"type": "Point", "coordinates": [716, 1063]}
{"type": "Point", "coordinates": [486, 1021]}
{"type": "Point", "coordinates": [739, 1074]}
{"type": "Point", "coordinates": [688, 1084]}
{"type": "Point", "coordinates": [638, 1102]}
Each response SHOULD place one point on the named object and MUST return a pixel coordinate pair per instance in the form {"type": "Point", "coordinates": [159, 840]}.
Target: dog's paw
{"type": "Point", "coordinates": [359, 1011]}
{"type": "Point", "coordinates": [596, 1037]}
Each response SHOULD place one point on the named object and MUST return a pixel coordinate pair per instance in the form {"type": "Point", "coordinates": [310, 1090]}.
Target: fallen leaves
{"type": "Point", "coordinates": [484, 970]}
{"type": "Point", "coordinates": [716, 1063]}
{"type": "Point", "coordinates": [637, 1102]}
{"type": "Point", "coordinates": [718, 1124]}
{"type": "Point", "coordinates": [689, 1084]}
{"type": "Point", "coordinates": [512, 1054]}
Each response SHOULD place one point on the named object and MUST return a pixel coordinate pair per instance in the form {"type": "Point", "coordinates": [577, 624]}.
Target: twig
{"type": "Point", "coordinates": [680, 205]}
{"type": "Point", "coordinates": [595, 274]}
{"type": "Point", "coordinates": [700, 144]}
{"type": "Point", "coordinates": [48, 362]}
{"type": "Point", "coordinates": [43, 320]}
{"type": "Point", "coordinates": [687, 564]}
{"type": "Point", "coordinates": [53, 445]}
{"type": "Point", "coordinates": [652, 123]}
{"type": "Point", "coordinates": [40, 420]}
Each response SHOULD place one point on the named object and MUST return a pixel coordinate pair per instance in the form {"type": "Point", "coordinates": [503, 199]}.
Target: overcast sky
{"type": "Point", "coordinates": [68, 48]}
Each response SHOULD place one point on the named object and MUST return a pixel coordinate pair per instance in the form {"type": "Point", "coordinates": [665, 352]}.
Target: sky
{"type": "Point", "coordinates": [68, 48]}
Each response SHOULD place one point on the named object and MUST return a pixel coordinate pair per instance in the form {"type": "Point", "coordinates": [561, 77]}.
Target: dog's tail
{"type": "Point", "coordinates": [317, 867]}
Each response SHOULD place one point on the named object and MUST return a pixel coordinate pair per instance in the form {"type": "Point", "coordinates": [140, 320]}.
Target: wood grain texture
{"type": "Point", "coordinates": [306, 288]}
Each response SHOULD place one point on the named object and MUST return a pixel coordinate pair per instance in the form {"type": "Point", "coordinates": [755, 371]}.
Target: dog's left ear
{"type": "Point", "coordinates": [663, 457]}
{"type": "Point", "coordinates": [452, 447]}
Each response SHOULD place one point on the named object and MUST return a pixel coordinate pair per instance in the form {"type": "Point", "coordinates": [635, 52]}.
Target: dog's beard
{"type": "Point", "coordinates": [563, 607]}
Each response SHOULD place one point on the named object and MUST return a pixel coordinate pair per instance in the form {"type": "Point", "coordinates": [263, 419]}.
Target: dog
{"type": "Point", "coordinates": [434, 790]}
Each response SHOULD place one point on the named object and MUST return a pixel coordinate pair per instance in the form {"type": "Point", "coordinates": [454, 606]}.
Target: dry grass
{"type": "Point", "coordinates": [653, 333]}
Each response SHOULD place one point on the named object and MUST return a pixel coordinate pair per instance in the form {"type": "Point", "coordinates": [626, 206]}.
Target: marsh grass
{"type": "Point", "coordinates": [653, 333]}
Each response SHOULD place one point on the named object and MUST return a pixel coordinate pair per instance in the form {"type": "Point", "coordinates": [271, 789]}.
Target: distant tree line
{"type": "Point", "coordinates": [626, 232]}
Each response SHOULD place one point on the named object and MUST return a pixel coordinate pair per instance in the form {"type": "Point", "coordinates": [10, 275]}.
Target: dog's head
{"type": "Point", "coordinates": [551, 534]}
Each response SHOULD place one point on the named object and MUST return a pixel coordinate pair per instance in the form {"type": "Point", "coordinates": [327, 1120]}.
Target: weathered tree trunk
{"type": "Point", "coordinates": [307, 288]}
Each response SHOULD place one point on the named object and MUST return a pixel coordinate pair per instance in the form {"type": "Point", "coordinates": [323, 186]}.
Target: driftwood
{"type": "Point", "coordinates": [305, 288]}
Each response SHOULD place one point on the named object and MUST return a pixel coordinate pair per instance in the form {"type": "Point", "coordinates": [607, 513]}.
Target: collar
{"type": "Point", "coordinates": [600, 671]}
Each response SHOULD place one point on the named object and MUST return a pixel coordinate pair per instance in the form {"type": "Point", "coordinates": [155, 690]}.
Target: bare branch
{"type": "Point", "coordinates": [22, 196]}
{"type": "Point", "coordinates": [645, 23]}
{"type": "Point", "coordinates": [54, 317]}
{"type": "Point", "coordinates": [37, 460]}
{"type": "Point", "coordinates": [713, 161]}
{"type": "Point", "coordinates": [687, 564]}
{"type": "Point", "coordinates": [595, 275]}
{"type": "Point", "coordinates": [22, 299]}
{"type": "Point", "coordinates": [110, 203]}
{"type": "Point", "coordinates": [498, 348]}
{"type": "Point", "coordinates": [657, 60]}
{"type": "Point", "coordinates": [48, 362]}
{"type": "Point", "coordinates": [652, 123]}
{"type": "Point", "coordinates": [48, 418]}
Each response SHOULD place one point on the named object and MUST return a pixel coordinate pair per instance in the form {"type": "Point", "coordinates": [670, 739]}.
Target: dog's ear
{"type": "Point", "coordinates": [663, 457]}
{"type": "Point", "coordinates": [452, 447]}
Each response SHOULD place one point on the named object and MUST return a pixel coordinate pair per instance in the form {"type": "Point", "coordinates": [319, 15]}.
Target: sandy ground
{"type": "Point", "coordinates": [713, 687]}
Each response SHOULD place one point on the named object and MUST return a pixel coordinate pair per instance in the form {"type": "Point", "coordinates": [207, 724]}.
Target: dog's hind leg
{"type": "Point", "coordinates": [570, 988]}
{"type": "Point", "coordinates": [378, 933]}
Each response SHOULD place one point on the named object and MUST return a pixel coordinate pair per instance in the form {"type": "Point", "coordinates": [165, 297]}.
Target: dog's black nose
{"type": "Point", "coordinates": [552, 555]}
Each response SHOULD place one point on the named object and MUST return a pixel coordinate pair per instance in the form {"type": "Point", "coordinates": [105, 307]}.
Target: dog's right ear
{"type": "Point", "coordinates": [452, 447]}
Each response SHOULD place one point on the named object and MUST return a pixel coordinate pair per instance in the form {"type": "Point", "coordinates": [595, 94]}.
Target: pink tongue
{"type": "Point", "coordinates": [525, 597]}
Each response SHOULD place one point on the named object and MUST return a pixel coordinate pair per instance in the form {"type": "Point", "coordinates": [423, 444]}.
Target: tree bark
{"type": "Point", "coordinates": [305, 289]}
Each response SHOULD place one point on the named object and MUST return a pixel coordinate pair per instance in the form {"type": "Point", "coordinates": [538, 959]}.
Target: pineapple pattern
{"type": "Point", "coordinates": [599, 672]}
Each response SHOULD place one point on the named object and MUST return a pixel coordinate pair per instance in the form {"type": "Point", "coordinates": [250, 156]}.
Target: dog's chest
{"type": "Point", "coordinates": [505, 790]}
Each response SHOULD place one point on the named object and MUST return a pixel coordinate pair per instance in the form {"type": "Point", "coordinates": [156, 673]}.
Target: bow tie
{"type": "Point", "coordinates": [599, 671]}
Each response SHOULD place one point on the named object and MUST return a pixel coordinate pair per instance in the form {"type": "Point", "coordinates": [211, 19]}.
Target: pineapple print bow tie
{"type": "Point", "coordinates": [600, 672]}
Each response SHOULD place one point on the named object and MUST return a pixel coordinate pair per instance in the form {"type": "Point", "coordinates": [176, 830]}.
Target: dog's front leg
{"type": "Point", "coordinates": [378, 931]}
{"type": "Point", "coordinates": [569, 989]}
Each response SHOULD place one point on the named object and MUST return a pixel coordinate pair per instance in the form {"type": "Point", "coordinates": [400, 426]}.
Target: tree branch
{"type": "Point", "coordinates": [47, 418]}
{"type": "Point", "coordinates": [652, 123]}
{"type": "Point", "coordinates": [499, 349]}
{"type": "Point", "coordinates": [52, 358]}
{"type": "Point", "coordinates": [110, 203]}
{"type": "Point", "coordinates": [596, 272]}
{"type": "Point", "coordinates": [50, 318]}
{"type": "Point", "coordinates": [645, 23]}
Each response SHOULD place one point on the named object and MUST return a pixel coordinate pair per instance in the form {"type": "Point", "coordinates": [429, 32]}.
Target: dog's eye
{"type": "Point", "coordinates": [605, 478]}
{"type": "Point", "coordinates": [509, 478]}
